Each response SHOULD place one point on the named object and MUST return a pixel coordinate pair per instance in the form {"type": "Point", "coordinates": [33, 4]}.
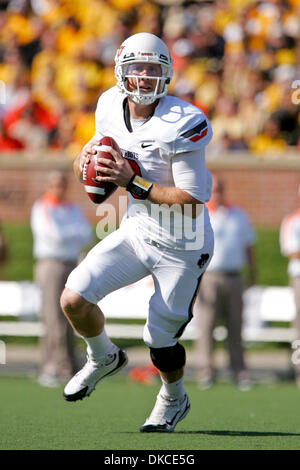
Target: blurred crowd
{"type": "Point", "coordinates": [238, 60]}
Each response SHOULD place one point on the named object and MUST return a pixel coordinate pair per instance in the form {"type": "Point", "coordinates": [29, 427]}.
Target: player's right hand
{"type": "Point", "coordinates": [87, 153]}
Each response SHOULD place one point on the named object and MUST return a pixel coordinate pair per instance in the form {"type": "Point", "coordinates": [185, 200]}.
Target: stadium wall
{"type": "Point", "coordinates": [267, 189]}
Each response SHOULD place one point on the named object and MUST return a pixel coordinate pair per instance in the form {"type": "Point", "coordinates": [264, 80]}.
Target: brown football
{"type": "Point", "coordinates": [99, 191]}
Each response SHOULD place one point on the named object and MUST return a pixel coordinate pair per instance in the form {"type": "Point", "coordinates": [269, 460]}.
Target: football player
{"type": "Point", "coordinates": [166, 231]}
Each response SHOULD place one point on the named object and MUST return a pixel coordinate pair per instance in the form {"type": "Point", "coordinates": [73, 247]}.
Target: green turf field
{"type": "Point", "coordinates": [223, 418]}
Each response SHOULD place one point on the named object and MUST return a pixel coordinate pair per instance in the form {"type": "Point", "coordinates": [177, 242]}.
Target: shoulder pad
{"type": "Point", "coordinates": [195, 134]}
{"type": "Point", "coordinates": [182, 125]}
{"type": "Point", "coordinates": [105, 106]}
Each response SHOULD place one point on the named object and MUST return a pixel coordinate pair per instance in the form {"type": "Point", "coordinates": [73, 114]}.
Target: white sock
{"type": "Point", "coordinates": [99, 346]}
{"type": "Point", "coordinates": [173, 390]}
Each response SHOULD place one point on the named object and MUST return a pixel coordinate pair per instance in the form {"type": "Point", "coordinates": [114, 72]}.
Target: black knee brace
{"type": "Point", "coordinates": [168, 359]}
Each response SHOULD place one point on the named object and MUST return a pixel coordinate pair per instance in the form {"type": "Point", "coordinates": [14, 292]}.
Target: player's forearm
{"type": "Point", "coordinates": [171, 195]}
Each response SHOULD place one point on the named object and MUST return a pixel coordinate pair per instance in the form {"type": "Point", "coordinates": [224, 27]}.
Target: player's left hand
{"type": "Point", "coordinates": [117, 170]}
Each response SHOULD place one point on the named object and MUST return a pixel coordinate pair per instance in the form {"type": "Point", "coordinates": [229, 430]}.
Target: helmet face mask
{"type": "Point", "coordinates": [138, 50]}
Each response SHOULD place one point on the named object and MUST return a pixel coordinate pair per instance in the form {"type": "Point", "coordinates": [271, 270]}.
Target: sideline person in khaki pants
{"type": "Point", "coordinates": [60, 232]}
{"type": "Point", "coordinates": [221, 288]}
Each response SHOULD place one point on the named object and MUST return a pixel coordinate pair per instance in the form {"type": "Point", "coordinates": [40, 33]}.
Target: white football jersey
{"type": "Point", "coordinates": [169, 150]}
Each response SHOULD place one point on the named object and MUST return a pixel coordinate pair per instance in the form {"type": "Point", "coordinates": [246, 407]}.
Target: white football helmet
{"type": "Point", "coordinates": [143, 48]}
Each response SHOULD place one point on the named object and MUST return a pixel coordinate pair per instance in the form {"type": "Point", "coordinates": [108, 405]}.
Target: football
{"type": "Point", "coordinates": [99, 191]}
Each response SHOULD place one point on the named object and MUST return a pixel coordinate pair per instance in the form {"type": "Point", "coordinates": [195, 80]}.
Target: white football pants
{"type": "Point", "coordinates": [124, 257]}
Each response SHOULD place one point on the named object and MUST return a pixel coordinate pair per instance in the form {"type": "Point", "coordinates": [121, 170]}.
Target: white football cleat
{"type": "Point", "coordinates": [85, 381]}
{"type": "Point", "coordinates": [166, 414]}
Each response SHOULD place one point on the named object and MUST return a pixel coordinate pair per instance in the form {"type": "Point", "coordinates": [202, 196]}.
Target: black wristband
{"type": "Point", "coordinates": [138, 187]}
